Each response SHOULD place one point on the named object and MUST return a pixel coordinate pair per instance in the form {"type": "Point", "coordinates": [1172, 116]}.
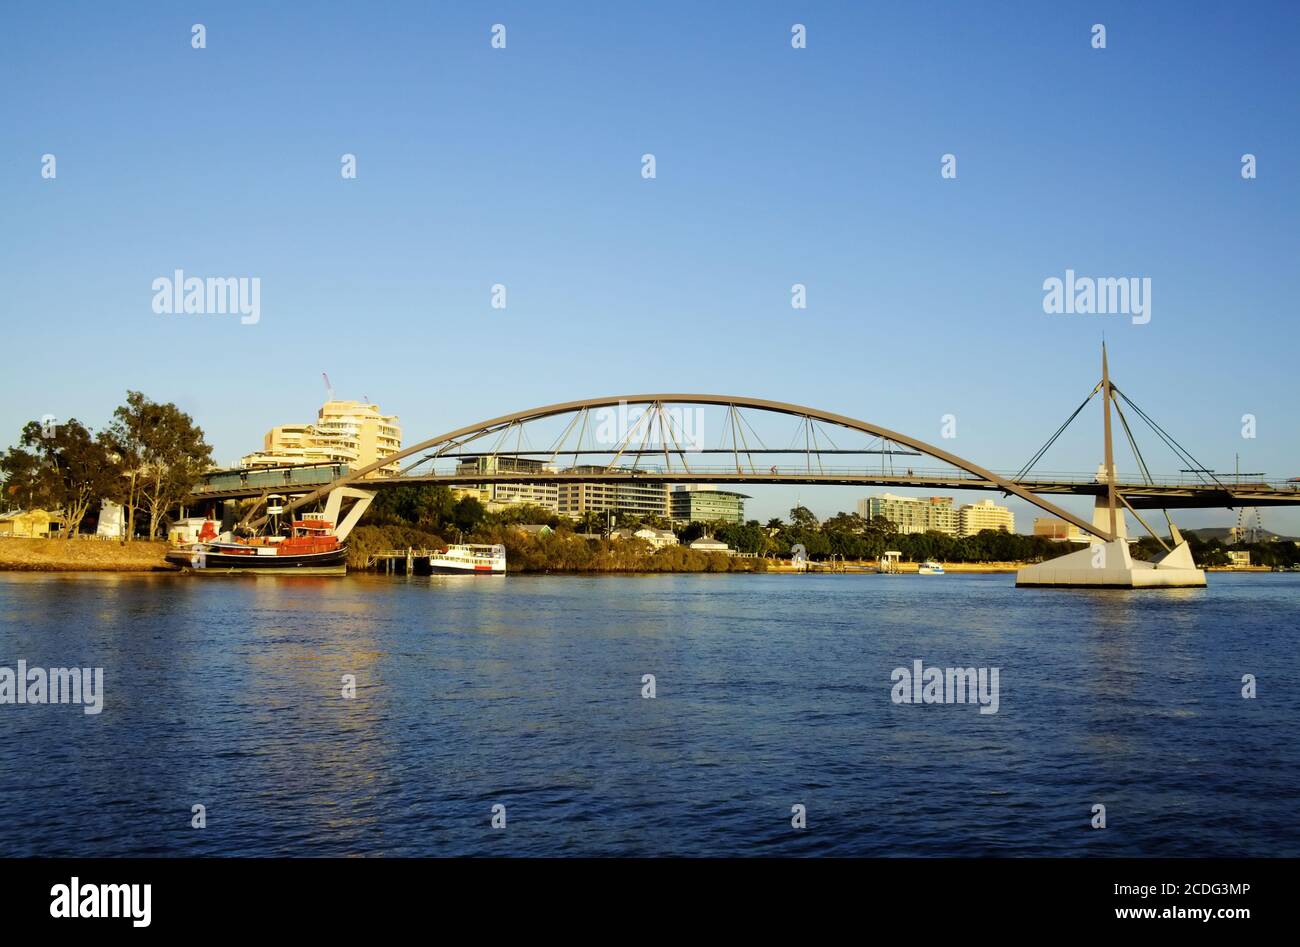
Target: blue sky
{"type": "Point", "coordinates": [774, 166]}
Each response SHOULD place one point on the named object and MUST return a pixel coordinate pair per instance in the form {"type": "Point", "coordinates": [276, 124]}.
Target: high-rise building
{"type": "Point", "coordinates": [912, 514]}
{"type": "Point", "coordinates": [360, 427]}
{"type": "Point", "coordinates": [601, 496]}
{"type": "Point", "coordinates": [698, 503]}
{"type": "Point", "coordinates": [345, 432]}
{"type": "Point", "coordinates": [975, 517]}
{"type": "Point", "coordinates": [495, 496]}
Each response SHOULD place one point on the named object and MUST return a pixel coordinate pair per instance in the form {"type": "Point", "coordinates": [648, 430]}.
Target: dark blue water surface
{"type": "Point", "coordinates": [526, 692]}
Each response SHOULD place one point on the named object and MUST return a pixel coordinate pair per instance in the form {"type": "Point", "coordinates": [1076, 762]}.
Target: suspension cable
{"type": "Point", "coordinates": [1195, 465]}
{"type": "Point", "coordinates": [1052, 440]}
{"type": "Point", "coordinates": [1146, 473]}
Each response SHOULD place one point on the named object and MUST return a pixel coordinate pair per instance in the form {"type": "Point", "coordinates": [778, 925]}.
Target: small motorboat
{"type": "Point", "coordinates": [929, 567]}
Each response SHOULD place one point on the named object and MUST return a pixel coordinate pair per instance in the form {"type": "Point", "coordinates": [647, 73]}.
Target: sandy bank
{"type": "Point", "coordinates": [81, 555]}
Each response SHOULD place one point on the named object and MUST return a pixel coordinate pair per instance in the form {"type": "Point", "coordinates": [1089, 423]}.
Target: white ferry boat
{"type": "Point", "coordinates": [929, 567]}
{"type": "Point", "coordinates": [468, 559]}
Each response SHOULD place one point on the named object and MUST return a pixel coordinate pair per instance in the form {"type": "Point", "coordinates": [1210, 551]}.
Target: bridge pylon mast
{"type": "Point", "coordinates": [1110, 451]}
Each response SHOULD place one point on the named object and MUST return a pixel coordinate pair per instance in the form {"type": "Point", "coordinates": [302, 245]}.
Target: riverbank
{"type": "Point", "coordinates": [90, 555]}
{"type": "Point", "coordinates": [904, 568]}
{"type": "Point", "coordinates": [81, 555]}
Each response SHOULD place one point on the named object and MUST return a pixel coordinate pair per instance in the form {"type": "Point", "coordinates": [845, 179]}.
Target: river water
{"type": "Point", "coordinates": [771, 691]}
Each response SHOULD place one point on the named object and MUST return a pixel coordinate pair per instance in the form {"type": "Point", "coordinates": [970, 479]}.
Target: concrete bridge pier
{"type": "Point", "coordinates": [1110, 565]}
{"type": "Point", "coordinates": [1101, 520]}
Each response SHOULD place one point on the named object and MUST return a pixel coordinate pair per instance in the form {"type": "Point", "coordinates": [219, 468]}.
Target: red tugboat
{"type": "Point", "coordinates": [311, 548]}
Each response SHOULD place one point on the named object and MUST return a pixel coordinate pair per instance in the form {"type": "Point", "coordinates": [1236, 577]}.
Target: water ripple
{"type": "Point", "coordinates": [772, 691]}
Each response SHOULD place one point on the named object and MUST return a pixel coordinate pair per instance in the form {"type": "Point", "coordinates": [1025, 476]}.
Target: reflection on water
{"type": "Point", "coordinates": [526, 691]}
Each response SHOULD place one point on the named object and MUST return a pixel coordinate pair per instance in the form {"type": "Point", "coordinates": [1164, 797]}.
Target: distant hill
{"type": "Point", "coordinates": [1221, 534]}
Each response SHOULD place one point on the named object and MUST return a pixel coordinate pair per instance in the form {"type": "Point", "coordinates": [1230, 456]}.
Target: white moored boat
{"type": "Point", "coordinates": [929, 567]}
{"type": "Point", "coordinates": [468, 559]}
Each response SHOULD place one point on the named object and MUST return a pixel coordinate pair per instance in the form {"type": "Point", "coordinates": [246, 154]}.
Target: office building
{"type": "Point", "coordinates": [693, 503]}
{"type": "Point", "coordinates": [496, 496]}
{"type": "Point", "coordinates": [602, 496]}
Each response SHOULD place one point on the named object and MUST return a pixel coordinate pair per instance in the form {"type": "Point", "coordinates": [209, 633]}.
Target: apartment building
{"type": "Point", "coordinates": [975, 517]}
{"type": "Point", "coordinates": [345, 432]}
{"type": "Point", "coordinates": [912, 514]}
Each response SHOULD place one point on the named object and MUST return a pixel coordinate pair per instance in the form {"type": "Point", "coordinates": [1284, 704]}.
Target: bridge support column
{"type": "Point", "coordinates": [1101, 519]}
{"type": "Point", "coordinates": [1110, 565]}
{"type": "Point", "coordinates": [334, 503]}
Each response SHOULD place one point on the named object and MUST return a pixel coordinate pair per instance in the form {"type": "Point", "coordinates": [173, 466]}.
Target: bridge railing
{"type": "Point", "coordinates": [759, 471]}
{"type": "Point", "coordinates": [696, 471]}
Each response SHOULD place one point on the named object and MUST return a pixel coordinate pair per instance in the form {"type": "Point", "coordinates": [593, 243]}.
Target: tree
{"type": "Point", "coordinates": [882, 527]}
{"type": "Point", "coordinates": [845, 523]}
{"type": "Point", "coordinates": [427, 506]}
{"type": "Point", "coordinates": [67, 468]}
{"type": "Point", "coordinates": [26, 483]}
{"type": "Point", "coordinates": [802, 518]}
{"type": "Point", "coordinates": [691, 531]}
{"type": "Point", "coordinates": [531, 513]}
{"type": "Point", "coordinates": [467, 514]}
{"type": "Point", "coordinates": [164, 454]}
{"type": "Point", "coordinates": [632, 521]}
{"type": "Point", "coordinates": [803, 530]}
{"type": "Point", "coordinates": [743, 537]}
{"type": "Point", "coordinates": [847, 535]}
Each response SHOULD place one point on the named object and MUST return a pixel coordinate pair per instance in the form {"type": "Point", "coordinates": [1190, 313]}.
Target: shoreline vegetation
{"type": "Point", "coordinates": [431, 516]}
{"type": "Point", "coordinates": [425, 516]}
{"type": "Point", "coordinates": [606, 557]}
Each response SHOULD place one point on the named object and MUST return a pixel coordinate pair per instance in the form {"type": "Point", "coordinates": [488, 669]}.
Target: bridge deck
{"type": "Point", "coordinates": [1173, 493]}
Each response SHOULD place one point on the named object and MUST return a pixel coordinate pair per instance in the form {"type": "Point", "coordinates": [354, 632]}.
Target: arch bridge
{"type": "Point", "coordinates": [715, 439]}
